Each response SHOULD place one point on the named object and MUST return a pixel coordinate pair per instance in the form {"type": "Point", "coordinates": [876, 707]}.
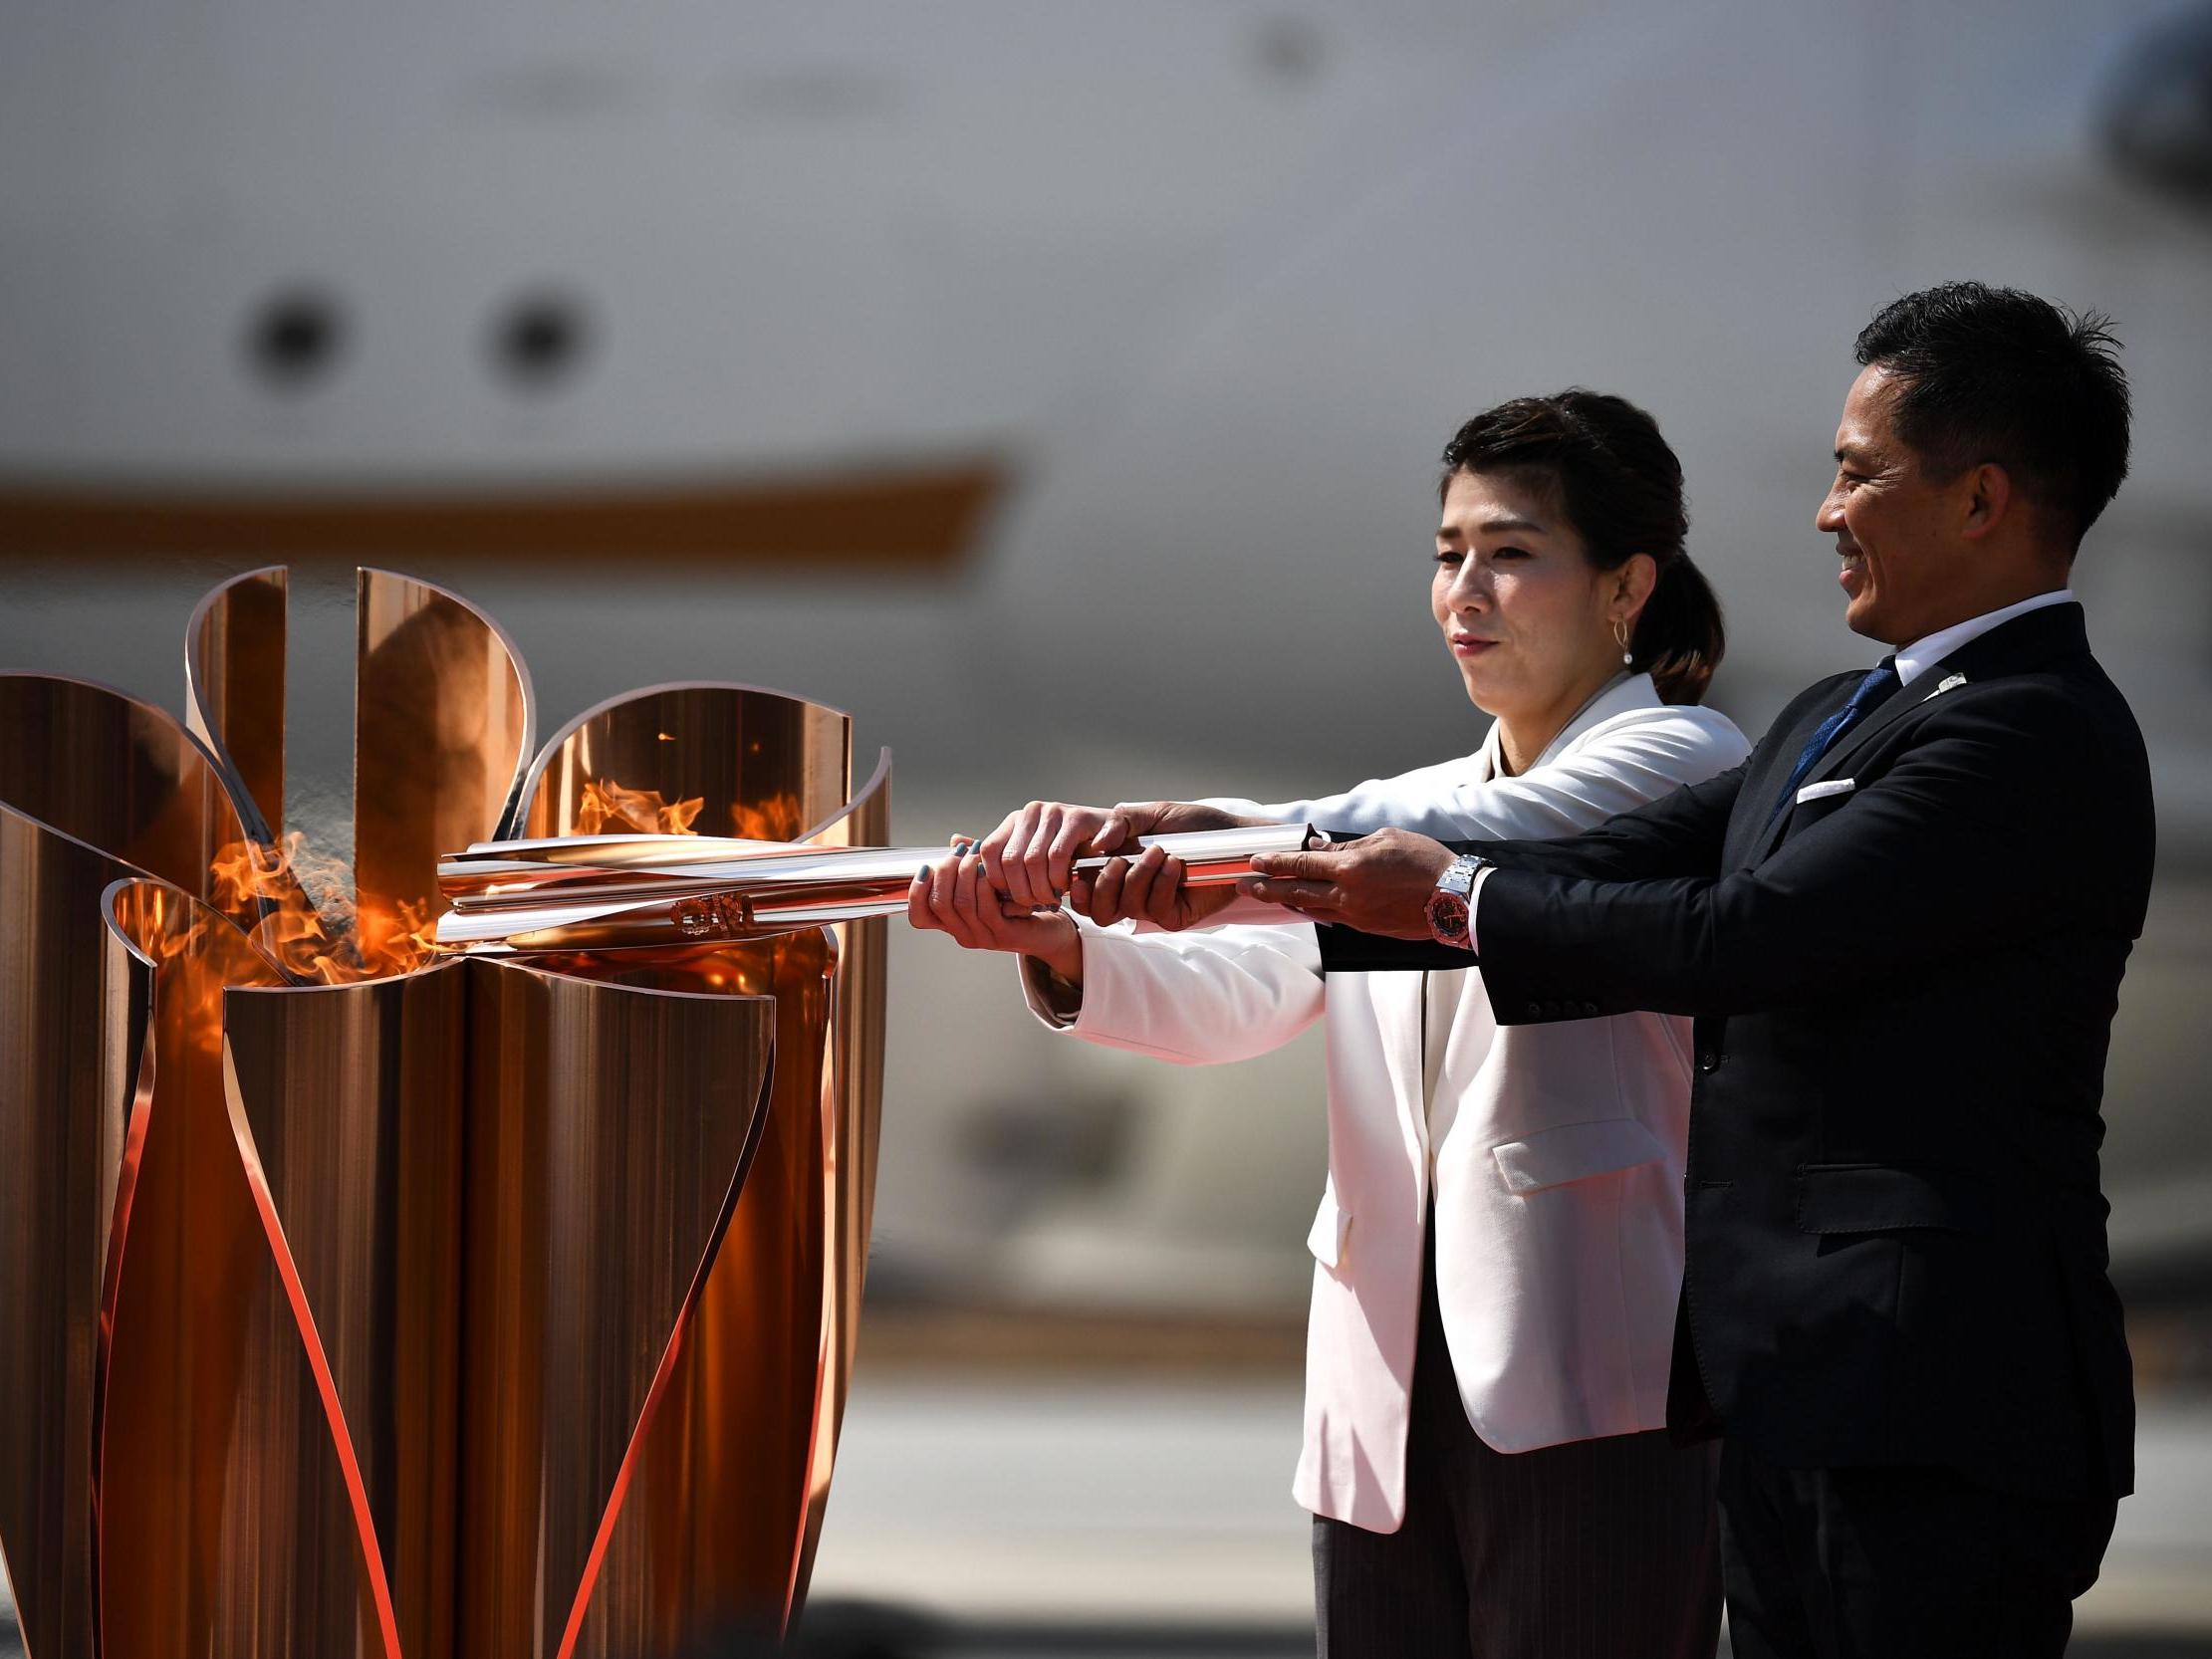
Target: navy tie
{"type": "Point", "coordinates": [1879, 682]}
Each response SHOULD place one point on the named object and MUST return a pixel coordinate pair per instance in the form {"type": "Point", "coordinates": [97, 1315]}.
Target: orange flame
{"type": "Point", "coordinates": [159, 924]}
{"type": "Point", "coordinates": [196, 956]}
{"type": "Point", "coordinates": [606, 803]}
{"type": "Point", "coordinates": [316, 931]}
{"type": "Point", "coordinates": [776, 819]}
{"type": "Point", "coordinates": [336, 942]}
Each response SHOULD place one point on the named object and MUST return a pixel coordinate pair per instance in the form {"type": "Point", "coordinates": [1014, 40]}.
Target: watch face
{"type": "Point", "coordinates": [1447, 917]}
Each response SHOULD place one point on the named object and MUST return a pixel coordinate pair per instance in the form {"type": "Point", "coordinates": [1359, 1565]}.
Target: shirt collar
{"type": "Point", "coordinates": [1622, 692]}
{"type": "Point", "coordinates": [1922, 654]}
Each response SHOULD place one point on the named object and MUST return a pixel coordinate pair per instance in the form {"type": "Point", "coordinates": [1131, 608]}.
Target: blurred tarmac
{"type": "Point", "coordinates": [983, 1515]}
{"type": "Point", "coordinates": [1063, 1519]}
{"type": "Point", "coordinates": [864, 1634]}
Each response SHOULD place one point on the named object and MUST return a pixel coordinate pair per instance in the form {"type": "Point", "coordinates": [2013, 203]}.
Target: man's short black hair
{"type": "Point", "coordinates": [1995, 374]}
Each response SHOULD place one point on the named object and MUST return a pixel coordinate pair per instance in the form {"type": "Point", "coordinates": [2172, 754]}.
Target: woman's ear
{"type": "Point", "coordinates": [1632, 582]}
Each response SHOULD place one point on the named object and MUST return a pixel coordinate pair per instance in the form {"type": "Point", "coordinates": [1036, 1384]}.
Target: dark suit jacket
{"type": "Point", "coordinates": [1903, 997]}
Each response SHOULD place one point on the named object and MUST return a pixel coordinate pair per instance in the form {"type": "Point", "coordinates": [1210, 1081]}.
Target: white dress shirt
{"type": "Point", "coordinates": [1918, 658]}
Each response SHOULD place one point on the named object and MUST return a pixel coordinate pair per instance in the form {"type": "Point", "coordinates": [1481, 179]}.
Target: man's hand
{"type": "Point", "coordinates": [1031, 856]}
{"type": "Point", "coordinates": [1380, 883]}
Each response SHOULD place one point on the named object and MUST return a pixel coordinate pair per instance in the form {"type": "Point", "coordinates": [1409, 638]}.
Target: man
{"type": "Point", "coordinates": [1900, 928]}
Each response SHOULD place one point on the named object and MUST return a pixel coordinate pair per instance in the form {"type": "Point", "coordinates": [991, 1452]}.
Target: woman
{"type": "Point", "coordinates": [1498, 1247]}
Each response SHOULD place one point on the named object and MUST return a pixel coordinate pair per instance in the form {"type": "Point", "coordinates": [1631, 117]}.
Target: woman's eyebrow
{"type": "Point", "coordinates": [1509, 526]}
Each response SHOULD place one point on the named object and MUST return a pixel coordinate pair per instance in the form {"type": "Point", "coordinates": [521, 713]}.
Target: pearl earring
{"type": "Point", "coordinates": [1621, 638]}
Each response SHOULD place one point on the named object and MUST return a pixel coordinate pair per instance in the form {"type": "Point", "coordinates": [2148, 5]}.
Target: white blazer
{"type": "Point", "coordinates": [1555, 1151]}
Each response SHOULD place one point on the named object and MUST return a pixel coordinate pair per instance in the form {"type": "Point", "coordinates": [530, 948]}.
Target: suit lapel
{"type": "Point", "coordinates": [2009, 648]}
{"type": "Point", "coordinates": [1754, 805]}
{"type": "Point", "coordinates": [1899, 704]}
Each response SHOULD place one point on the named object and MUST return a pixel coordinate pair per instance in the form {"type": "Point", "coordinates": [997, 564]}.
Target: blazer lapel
{"type": "Point", "coordinates": [1396, 1002]}
{"type": "Point", "coordinates": [1400, 1004]}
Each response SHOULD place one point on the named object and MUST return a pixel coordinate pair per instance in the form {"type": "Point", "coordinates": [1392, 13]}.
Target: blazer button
{"type": "Point", "coordinates": [1709, 1060]}
{"type": "Point", "coordinates": [1589, 1010]}
{"type": "Point", "coordinates": [1535, 1010]}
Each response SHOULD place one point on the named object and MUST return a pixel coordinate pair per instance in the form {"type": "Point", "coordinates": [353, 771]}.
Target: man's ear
{"type": "Point", "coordinates": [1986, 495]}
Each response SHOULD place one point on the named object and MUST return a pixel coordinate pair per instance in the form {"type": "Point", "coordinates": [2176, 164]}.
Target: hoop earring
{"type": "Point", "coordinates": [1621, 638]}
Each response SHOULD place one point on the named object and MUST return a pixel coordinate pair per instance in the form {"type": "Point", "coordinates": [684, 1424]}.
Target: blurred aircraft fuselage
{"type": "Point", "coordinates": [1058, 388]}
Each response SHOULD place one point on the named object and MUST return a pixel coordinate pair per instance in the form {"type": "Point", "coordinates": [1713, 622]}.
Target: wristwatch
{"type": "Point", "coordinates": [1447, 905]}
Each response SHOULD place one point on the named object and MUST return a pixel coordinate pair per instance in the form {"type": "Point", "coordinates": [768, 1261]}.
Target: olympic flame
{"type": "Point", "coordinates": [608, 809]}
{"type": "Point", "coordinates": [370, 1297]}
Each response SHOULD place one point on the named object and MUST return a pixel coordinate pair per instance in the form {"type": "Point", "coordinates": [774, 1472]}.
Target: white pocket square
{"type": "Point", "coordinates": [1835, 786]}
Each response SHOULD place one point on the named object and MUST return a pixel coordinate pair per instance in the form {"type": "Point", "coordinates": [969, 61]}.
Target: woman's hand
{"type": "Point", "coordinates": [1149, 888]}
{"type": "Point", "coordinates": [1031, 856]}
{"type": "Point", "coordinates": [954, 896]}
